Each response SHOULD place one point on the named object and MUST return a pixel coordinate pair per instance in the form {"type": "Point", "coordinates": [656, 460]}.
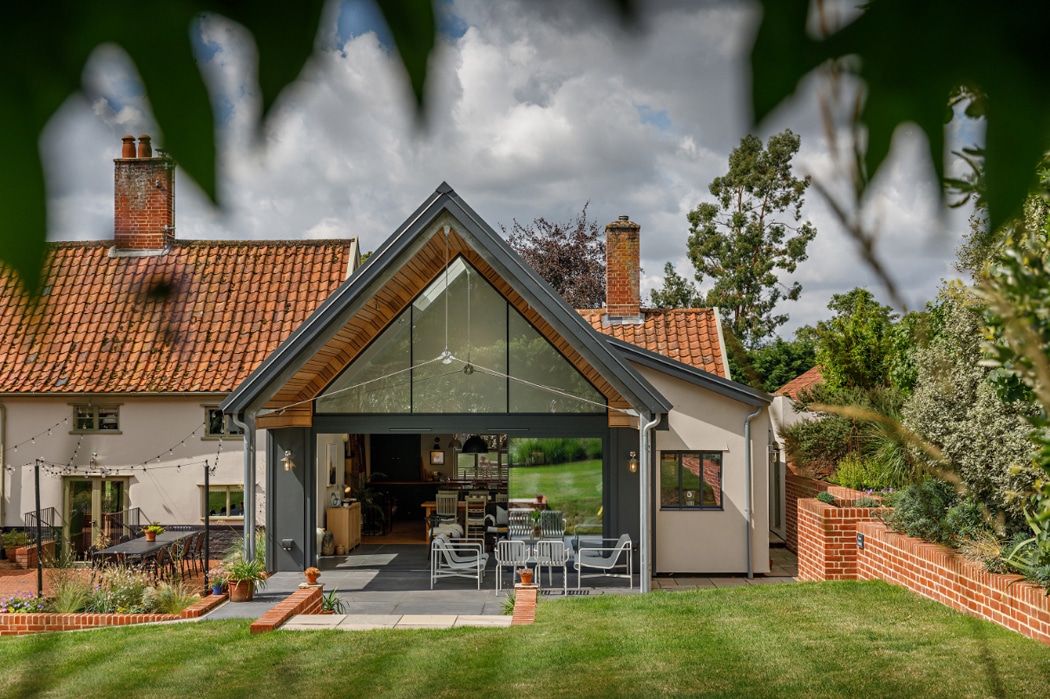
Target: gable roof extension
{"type": "Point", "coordinates": [198, 318]}
{"type": "Point", "coordinates": [687, 335]}
{"type": "Point", "coordinates": [410, 259]}
{"type": "Point", "coordinates": [805, 380]}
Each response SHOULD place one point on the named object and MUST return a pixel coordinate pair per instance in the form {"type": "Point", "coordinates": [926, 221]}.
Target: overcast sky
{"type": "Point", "coordinates": [535, 109]}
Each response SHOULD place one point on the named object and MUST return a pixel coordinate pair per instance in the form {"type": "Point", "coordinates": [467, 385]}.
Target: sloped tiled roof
{"type": "Point", "coordinates": [199, 318]}
{"type": "Point", "coordinates": [687, 335]}
{"type": "Point", "coordinates": [801, 382]}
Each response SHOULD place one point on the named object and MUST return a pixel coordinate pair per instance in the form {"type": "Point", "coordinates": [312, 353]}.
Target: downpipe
{"type": "Point", "coordinates": [645, 478]}
{"type": "Point", "coordinates": [747, 485]}
{"type": "Point", "coordinates": [3, 465]}
{"type": "Point", "coordinates": [248, 427]}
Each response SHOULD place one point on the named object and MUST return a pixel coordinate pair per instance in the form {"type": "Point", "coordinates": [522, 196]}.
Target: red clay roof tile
{"type": "Point", "coordinates": [801, 382]}
{"type": "Point", "coordinates": [186, 321]}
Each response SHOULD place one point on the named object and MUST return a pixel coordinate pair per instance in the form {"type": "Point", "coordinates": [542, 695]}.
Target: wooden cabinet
{"type": "Point", "coordinates": [345, 525]}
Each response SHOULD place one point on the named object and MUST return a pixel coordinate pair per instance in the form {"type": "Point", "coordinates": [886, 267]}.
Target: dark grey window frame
{"type": "Point", "coordinates": [701, 453]}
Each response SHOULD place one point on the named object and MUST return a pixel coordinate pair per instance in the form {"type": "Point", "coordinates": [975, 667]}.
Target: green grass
{"type": "Point", "coordinates": [805, 640]}
{"type": "Point", "coordinates": [574, 488]}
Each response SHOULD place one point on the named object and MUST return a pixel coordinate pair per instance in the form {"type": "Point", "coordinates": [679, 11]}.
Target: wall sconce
{"type": "Point", "coordinates": [289, 465]}
{"type": "Point", "coordinates": [632, 465]}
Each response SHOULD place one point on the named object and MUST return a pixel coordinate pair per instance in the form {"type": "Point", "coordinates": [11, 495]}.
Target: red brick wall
{"type": "Point", "coordinates": [302, 601]}
{"type": "Point", "coordinates": [797, 487]}
{"type": "Point", "coordinates": [622, 290]}
{"type": "Point", "coordinates": [827, 539]}
{"type": "Point", "coordinates": [23, 624]}
{"type": "Point", "coordinates": [143, 203]}
{"type": "Point", "coordinates": [938, 573]}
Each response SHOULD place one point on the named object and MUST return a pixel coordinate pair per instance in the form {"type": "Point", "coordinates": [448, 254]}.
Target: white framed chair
{"type": "Point", "coordinates": [605, 559]}
{"type": "Point", "coordinates": [519, 522]}
{"type": "Point", "coordinates": [460, 559]}
{"type": "Point", "coordinates": [551, 554]}
{"type": "Point", "coordinates": [447, 504]}
{"type": "Point", "coordinates": [552, 524]}
{"type": "Point", "coordinates": [511, 554]}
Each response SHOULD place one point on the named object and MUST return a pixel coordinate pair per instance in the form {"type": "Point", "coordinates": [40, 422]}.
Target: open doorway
{"type": "Point", "coordinates": [566, 472]}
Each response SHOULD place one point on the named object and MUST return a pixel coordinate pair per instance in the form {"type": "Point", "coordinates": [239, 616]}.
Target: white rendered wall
{"type": "Point", "coordinates": [712, 541]}
{"type": "Point", "coordinates": [149, 427]}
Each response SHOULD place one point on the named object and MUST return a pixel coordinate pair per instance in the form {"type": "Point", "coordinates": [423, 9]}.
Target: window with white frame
{"type": "Point", "coordinates": [691, 480]}
{"type": "Point", "coordinates": [217, 425]}
{"type": "Point", "coordinates": [223, 501]}
{"type": "Point", "coordinates": [96, 418]}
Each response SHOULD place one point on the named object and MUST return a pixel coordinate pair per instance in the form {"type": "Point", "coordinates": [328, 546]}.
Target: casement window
{"type": "Point", "coordinates": [223, 501]}
{"type": "Point", "coordinates": [217, 425]}
{"type": "Point", "coordinates": [691, 480]}
{"type": "Point", "coordinates": [96, 418]}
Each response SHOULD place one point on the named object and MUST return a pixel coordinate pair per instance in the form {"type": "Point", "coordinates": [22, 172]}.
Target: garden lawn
{"type": "Point", "coordinates": [574, 488]}
{"type": "Point", "coordinates": [862, 639]}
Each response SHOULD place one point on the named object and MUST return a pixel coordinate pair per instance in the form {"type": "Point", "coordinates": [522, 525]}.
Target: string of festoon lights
{"type": "Point", "coordinates": [95, 468]}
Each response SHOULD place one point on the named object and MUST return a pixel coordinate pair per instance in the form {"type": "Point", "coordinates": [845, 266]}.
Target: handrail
{"type": "Point", "coordinates": [50, 523]}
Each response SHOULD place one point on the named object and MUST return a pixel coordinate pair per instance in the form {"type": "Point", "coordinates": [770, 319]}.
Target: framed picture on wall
{"type": "Point", "coordinates": [437, 458]}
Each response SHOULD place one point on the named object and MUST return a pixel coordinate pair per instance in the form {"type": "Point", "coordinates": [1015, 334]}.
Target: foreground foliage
{"type": "Point", "coordinates": [811, 640]}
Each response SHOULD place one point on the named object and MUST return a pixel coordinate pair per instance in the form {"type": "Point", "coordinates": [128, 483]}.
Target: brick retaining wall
{"type": "Point", "coordinates": [302, 601]}
{"type": "Point", "coordinates": [23, 624]}
{"type": "Point", "coordinates": [798, 487]}
{"type": "Point", "coordinates": [827, 538]}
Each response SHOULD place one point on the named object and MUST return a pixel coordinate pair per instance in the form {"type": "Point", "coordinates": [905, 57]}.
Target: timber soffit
{"type": "Point", "coordinates": [263, 383]}
{"type": "Point", "coordinates": [725, 387]}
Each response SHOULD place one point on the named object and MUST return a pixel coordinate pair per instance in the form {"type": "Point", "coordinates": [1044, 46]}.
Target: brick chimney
{"type": "Point", "coordinates": [143, 199]}
{"type": "Point", "coordinates": [622, 291]}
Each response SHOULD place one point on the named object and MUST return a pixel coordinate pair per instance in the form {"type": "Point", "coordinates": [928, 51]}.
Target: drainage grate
{"type": "Point", "coordinates": [579, 592]}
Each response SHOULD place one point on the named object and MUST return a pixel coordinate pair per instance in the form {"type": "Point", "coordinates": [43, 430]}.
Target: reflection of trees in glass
{"type": "Point", "coordinates": [477, 332]}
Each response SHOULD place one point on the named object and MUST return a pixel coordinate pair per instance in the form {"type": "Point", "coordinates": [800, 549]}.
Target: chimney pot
{"type": "Point", "coordinates": [127, 150]}
{"type": "Point", "coordinates": [625, 217]}
{"type": "Point", "coordinates": [145, 149]}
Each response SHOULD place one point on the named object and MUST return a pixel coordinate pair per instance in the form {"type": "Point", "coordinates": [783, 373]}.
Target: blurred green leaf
{"type": "Point", "coordinates": [413, 27]}
{"type": "Point", "coordinates": [912, 56]}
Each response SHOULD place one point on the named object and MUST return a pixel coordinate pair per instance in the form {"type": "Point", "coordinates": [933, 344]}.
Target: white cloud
{"type": "Point", "coordinates": [535, 109]}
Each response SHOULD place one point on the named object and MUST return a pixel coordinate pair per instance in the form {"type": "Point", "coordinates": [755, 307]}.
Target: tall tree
{"type": "Point", "coordinates": [751, 231]}
{"type": "Point", "coordinates": [569, 256]}
{"type": "Point", "coordinates": [678, 292]}
{"type": "Point", "coordinates": [854, 345]}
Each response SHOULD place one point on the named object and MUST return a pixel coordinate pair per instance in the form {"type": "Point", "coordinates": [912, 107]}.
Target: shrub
{"type": "Point", "coordinates": [965, 519]}
{"type": "Point", "coordinates": [826, 497]}
{"type": "Point", "coordinates": [119, 590]}
{"type": "Point", "coordinates": [16, 538]}
{"type": "Point", "coordinates": [168, 598]}
{"type": "Point", "coordinates": [537, 451]}
{"type": "Point", "coordinates": [867, 502]}
{"type": "Point", "coordinates": [920, 511]}
{"type": "Point", "coordinates": [71, 591]}
{"type": "Point", "coordinates": [858, 473]}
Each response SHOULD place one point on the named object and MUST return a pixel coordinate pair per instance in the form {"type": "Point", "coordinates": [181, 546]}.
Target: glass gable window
{"type": "Point", "coordinates": [402, 370]}
{"type": "Point", "coordinates": [691, 480]}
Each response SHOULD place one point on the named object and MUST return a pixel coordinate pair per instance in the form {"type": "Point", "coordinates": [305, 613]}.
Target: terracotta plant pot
{"type": "Point", "coordinates": [526, 577]}
{"type": "Point", "coordinates": [151, 536]}
{"type": "Point", "coordinates": [241, 590]}
{"type": "Point", "coordinates": [312, 579]}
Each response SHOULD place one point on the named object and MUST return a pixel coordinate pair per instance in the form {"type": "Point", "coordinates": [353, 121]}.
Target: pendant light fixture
{"type": "Point", "coordinates": [475, 445]}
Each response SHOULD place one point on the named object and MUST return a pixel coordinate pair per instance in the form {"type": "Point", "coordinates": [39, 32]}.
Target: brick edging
{"type": "Point", "coordinates": [303, 601]}
{"type": "Point", "coordinates": [524, 604]}
{"type": "Point", "coordinates": [16, 624]}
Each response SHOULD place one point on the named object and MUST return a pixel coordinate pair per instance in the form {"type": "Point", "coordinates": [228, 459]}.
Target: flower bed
{"type": "Point", "coordinates": [829, 550]}
{"type": "Point", "coordinates": [21, 624]}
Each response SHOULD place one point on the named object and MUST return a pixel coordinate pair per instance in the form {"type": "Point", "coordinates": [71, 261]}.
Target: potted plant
{"type": "Point", "coordinates": [244, 577]}
{"type": "Point", "coordinates": [217, 577]}
{"type": "Point", "coordinates": [151, 531]}
{"type": "Point", "coordinates": [312, 574]}
{"type": "Point", "coordinates": [331, 604]}
{"type": "Point", "coordinates": [526, 575]}
{"type": "Point", "coordinates": [13, 540]}
{"type": "Point", "coordinates": [536, 524]}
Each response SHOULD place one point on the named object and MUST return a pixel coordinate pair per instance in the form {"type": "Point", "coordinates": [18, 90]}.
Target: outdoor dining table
{"type": "Point", "coordinates": [140, 548]}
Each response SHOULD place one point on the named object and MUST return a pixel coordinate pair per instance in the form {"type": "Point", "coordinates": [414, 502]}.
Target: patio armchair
{"type": "Point", "coordinates": [605, 559]}
{"type": "Point", "coordinates": [511, 554]}
{"type": "Point", "coordinates": [551, 554]}
{"type": "Point", "coordinates": [519, 523]}
{"type": "Point", "coordinates": [459, 559]}
{"type": "Point", "coordinates": [552, 524]}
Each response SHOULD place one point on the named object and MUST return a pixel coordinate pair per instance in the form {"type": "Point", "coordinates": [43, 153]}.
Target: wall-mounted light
{"type": "Point", "coordinates": [289, 465]}
{"type": "Point", "coordinates": [455, 443]}
{"type": "Point", "coordinates": [632, 465]}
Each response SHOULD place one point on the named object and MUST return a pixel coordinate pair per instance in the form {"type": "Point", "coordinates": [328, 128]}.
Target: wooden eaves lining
{"type": "Point", "coordinates": [374, 316]}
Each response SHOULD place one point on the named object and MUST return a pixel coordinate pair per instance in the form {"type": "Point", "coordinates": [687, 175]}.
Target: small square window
{"type": "Point", "coordinates": [96, 418]}
{"type": "Point", "coordinates": [223, 502]}
{"type": "Point", "coordinates": [217, 425]}
{"type": "Point", "coordinates": [691, 480]}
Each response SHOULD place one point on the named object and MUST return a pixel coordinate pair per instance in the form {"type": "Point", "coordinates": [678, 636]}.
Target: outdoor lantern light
{"type": "Point", "coordinates": [287, 460]}
{"type": "Point", "coordinates": [475, 445]}
{"type": "Point", "coordinates": [632, 465]}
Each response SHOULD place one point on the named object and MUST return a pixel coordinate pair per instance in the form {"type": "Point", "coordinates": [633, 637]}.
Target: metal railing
{"type": "Point", "coordinates": [50, 524]}
{"type": "Point", "coordinates": [123, 524]}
